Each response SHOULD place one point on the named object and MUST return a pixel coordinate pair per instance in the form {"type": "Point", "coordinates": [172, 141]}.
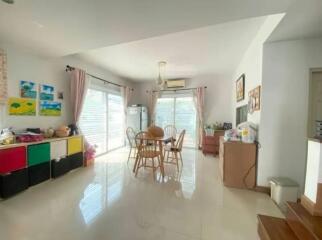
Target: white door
{"type": "Point", "coordinates": [315, 103]}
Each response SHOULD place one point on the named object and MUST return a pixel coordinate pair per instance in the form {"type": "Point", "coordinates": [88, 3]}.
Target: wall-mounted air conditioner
{"type": "Point", "coordinates": [176, 83]}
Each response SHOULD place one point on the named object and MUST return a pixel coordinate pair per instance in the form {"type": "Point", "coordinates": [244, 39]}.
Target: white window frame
{"type": "Point", "coordinates": [176, 95]}
{"type": "Point", "coordinates": [107, 92]}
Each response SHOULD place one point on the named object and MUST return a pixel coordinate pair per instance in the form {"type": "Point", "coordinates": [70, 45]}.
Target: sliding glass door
{"type": "Point", "coordinates": [178, 110]}
{"type": "Point", "coordinates": [93, 119]}
{"type": "Point", "coordinates": [115, 122]}
{"type": "Point", "coordinates": [102, 120]}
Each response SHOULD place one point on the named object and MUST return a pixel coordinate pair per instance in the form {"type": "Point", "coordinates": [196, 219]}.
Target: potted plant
{"type": "Point", "coordinates": [218, 126]}
{"type": "Point", "coordinates": [209, 130]}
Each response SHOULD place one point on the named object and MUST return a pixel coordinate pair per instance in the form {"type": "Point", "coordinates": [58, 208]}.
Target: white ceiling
{"type": "Point", "coordinates": [61, 27]}
{"type": "Point", "coordinates": [210, 50]}
{"type": "Point", "coordinates": [303, 20]}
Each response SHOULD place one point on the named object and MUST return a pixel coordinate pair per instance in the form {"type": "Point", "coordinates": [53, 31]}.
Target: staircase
{"type": "Point", "coordinates": [298, 225]}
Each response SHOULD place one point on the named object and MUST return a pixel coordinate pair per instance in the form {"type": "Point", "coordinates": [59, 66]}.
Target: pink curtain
{"type": "Point", "coordinates": [127, 95]}
{"type": "Point", "coordinates": [199, 100]}
{"type": "Point", "coordinates": [3, 78]}
{"type": "Point", "coordinates": [153, 99]}
{"type": "Point", "coordinates": [78, 89]}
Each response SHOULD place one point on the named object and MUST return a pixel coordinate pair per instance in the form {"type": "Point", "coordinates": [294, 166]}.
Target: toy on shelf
{"type": "Point", "coordinates": [63, 131]}
{"type": "Point", "coordinates": [49, 133]}
{"type": "Point", "coordinates": [7, 136]}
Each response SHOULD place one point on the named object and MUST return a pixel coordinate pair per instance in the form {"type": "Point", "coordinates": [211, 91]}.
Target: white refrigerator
{"type": "Point", "coordinates": [137, 118]}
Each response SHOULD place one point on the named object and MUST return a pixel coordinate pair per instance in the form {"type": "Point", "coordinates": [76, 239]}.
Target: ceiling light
{"type": "Point", "coordinates": [161, 77]}
{"type": "Point", "coordinates": [9, 1]}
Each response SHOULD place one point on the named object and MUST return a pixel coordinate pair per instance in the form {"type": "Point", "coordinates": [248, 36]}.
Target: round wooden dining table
{"type": "Point", "coordinates": [160, 141]}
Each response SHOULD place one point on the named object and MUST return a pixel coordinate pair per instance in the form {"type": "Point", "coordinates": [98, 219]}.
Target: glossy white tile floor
{"type": "Point", "coordinates": [107, 202]}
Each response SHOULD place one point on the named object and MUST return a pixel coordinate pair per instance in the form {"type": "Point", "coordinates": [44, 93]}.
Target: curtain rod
{"type": "Point", "coordinates": [175, 90]}
{"type": "Point", "coordinates": [70, 68]}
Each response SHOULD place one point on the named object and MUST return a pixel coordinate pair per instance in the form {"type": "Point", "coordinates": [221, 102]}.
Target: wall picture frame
{"type": "Point", "coordinates": [28, 89]}
{"type": "Point", "coordinates": [46, 92]}
{"type": "Point", "coordinates": [240, 88]}
{"type": "Point", "coordinates": [49, 108]}
{"type": "Point", "coordinates": [21, 106]}
{"type": "Point", "coordinates": [254, 100]}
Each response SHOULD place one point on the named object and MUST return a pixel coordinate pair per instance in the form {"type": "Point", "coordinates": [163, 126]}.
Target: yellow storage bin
{"type": "Point", "coordinates": [75, 145]}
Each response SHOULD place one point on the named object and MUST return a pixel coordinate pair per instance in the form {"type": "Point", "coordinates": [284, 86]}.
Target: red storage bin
{"type": "Point", "coordinates": [12, 159]}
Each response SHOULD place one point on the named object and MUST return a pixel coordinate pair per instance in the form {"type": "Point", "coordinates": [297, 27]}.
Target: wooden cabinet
{"type": "Point", "coordinates": [12, 159]}
{"type": "Point", "coordinates": [58, 149]}
{"type": "Point", "coordinates": [13, 183]}
{"type": "Point", "coordinates": [218, 134]}
{"type": "Point", "coordinates": [237, 164]}
{"type": "Point", "coordinates": [27, 164]}
{"type": "Point", "coordinates": [75, 145]}
{"type": "Point", "coordinates": [210, 144]}
{"type": "Point", "coordinates": [76, 160]}
{"type": "Point", "coordinates": [60, 167]}
{"type": "Point", "coordinates": [38, 153]}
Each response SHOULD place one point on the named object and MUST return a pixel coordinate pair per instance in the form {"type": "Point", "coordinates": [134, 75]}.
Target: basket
{"type": "Point", "coordinates": [62, 133]}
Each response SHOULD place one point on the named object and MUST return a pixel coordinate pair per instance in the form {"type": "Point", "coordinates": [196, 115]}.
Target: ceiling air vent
{"type": "Point", "coordinates": [176, 83]}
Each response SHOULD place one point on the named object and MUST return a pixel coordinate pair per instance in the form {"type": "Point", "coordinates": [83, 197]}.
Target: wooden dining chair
{"type": "Point", "coordinates": [147, 150]}
{"type": "Point", "coordinates": [171, 132]}
{"type": "Point", "coordinates": [175, 150]}
{"type": "Point", "coordinates": [130, 133]}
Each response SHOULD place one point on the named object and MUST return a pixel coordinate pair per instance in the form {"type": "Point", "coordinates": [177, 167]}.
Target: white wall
{"type": "Point", "coordinates": [251, 66]}
{"type": "Point", "coordinates": [217, 96]}
{"type": "Point", "coordinates": [284, 112]}
{"type": "Point", "coordinates": [23, 65]}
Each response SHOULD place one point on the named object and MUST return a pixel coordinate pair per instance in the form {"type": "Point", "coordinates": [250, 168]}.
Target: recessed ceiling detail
{"type": "Point", "coordinates": [210, 50]}
{"type": "Point", "coordinates": [73, 26]}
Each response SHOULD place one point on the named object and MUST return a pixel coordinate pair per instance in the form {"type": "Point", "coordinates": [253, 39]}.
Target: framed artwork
{"type": "Point", "coordinates": [60, 95]}
{"type": "Point", "coordinates": [254, 99]}
{"type": "Point", "coordinates": [48, 108]}
{"type": "Point", "coordinates": [240, 88]}
{"type": "Point", "coordinates": [46, 92]}
{"type": "Point", "coordinates": [28, 89]}
{"type": "Point", "coordinates": [22, 106]}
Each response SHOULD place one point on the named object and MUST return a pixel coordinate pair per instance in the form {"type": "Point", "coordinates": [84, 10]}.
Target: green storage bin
{"type": "Point", "coordinates": [38, 153]}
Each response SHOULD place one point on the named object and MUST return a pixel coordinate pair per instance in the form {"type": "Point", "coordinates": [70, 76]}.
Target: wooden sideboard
{"type": "Point", "coordinates": [210, 144]}
{"type": "Point", "coordinates": [237, 163]}
{"type": "Point", "coordinates": [26, 164]}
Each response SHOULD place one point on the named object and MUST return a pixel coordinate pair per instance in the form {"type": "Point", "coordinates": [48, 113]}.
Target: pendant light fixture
{"type": "Point", "coordinates": [161, 77]}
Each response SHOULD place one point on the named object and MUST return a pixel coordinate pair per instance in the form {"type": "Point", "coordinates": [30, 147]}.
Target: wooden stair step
{"type": "Point", "coordinates": [272, 228]}
{"type": "Point", "coordinates": [303, 224]}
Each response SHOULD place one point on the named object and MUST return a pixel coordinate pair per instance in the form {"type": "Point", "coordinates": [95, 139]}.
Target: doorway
{"type": "Point", "coordinates": [315, 101]}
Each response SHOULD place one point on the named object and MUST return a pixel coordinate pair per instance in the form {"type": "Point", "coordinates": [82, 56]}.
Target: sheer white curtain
{"type": "Point", "coordinates": [153, 99]}
{"type": "Point", "coordinates": [126, 93]}
{"type": "Point", "coordinates": [199, 100]}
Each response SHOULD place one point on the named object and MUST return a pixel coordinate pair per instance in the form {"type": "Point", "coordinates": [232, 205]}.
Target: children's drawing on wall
{"type": "Point", "coordinates": [46, 92]}
{"type": "Point", "coordinates": [22, 106]}
{"type": "Point", "coordinates": [48, 108]}
{"type": "Point", "coordinates": [28, 89]}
